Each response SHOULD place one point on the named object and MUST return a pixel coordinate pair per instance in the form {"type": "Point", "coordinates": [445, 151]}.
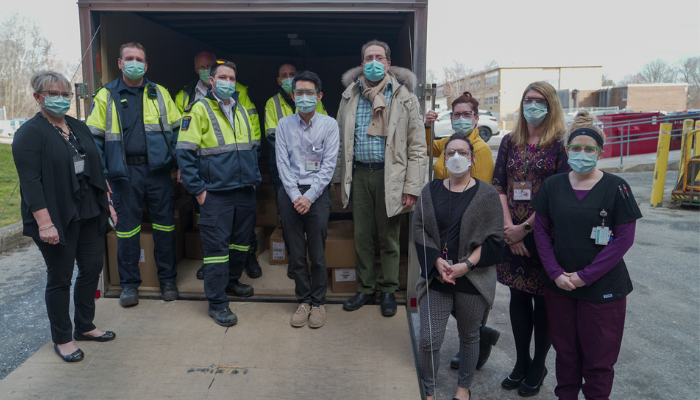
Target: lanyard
{"type": "Point", "coordinates": [527, 157]}
{"type": "Point", "coordinates": [66, 137]}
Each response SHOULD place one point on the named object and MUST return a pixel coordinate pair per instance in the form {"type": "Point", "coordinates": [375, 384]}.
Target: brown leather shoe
{"type": "Point", "coordinates": [301, 316]}
{"type": "Point", "coordinates": [317, 317]}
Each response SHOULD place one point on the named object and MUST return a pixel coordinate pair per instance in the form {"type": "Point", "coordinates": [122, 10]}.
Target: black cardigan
{"type": "Point", "coordinates": [47, 179]}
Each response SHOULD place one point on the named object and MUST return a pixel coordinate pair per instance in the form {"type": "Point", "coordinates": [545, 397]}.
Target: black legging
{"type": "Point", "coordinates": [85, 245]}
{"type": "Point", "coordinates": [523, 318]}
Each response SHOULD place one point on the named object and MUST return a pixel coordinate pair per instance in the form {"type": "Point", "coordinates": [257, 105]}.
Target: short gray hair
{"type": "Point", "coordinates": [40, 80]}
{"type": "Point", "coordinates": [379, 43]}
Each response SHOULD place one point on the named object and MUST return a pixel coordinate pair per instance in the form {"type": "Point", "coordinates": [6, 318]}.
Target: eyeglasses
{"type": "Point", "coordinates": [305, 92]}
{"type": "Point", "coordinates": [462, 152]}
{"type": "Point", "coordinates": [586, 149]}
{"type": "Point", "coordinates": [377, 58]}
{"type": "Point", "coordinates": [54, 95]}
{"type": "Point", "coordinates": [466, 114]}
{"type": "Point", "coordinates": [538, 100]}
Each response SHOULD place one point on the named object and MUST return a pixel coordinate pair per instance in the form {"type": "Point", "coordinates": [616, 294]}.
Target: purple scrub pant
{"type": "Point", "coordinates": [587, 338]}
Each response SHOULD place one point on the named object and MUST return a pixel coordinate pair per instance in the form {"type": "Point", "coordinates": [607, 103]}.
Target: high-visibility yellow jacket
{"type": "Point", "coordinates": [186, 96]}
{"type": "Point", "coordinates": [161, 120]}
{"type": "Point", "coordinates": [212, 154]}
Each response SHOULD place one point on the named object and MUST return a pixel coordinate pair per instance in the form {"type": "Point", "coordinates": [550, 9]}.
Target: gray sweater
{"type": "Point", "coordinates": [483, 219]}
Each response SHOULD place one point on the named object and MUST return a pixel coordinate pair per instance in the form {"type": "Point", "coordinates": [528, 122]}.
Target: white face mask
{"type": "Point", "coordinates": [458, 165]}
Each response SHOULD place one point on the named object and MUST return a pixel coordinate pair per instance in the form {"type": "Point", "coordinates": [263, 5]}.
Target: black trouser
{"type": "Point", "coordinates": [155, 188]}
{"type": "Point", "coordinates": [253, 238]}
{"type": "Point", "coordinates": [310, 288]}
{"type": "Point", "coordinates": [226, 222]}
{"type": "Point", "coordinates": [86, 245]}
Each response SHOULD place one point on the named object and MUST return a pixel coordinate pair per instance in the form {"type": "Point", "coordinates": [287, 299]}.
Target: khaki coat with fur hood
{"type": "Point", "coordinates": [405, 156]}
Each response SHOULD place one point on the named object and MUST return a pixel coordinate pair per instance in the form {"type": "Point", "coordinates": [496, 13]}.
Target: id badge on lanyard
{"type": "Point", "coordinates": [601, 234]}
{"type": "Point", "coordinates": [522, 191]}
{"type": "Point", "coordinates": [312, 164]}
{"type": "Point", "coordinates": [78, 164]}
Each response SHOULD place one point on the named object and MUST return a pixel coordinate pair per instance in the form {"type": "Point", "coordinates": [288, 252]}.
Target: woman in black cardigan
{"type": "Point", "coordinates": [64, 209]}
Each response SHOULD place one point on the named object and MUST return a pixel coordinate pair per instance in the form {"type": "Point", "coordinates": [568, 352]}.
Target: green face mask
{"type": "Point", "coordinates": [134, 69]}
{"type": "Point", "coordinates": [204, 75]}
{"type": "Point", "coordinates": [287, 85]}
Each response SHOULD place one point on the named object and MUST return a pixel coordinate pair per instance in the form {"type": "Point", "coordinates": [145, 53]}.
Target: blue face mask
{"type": "Point", "coordinates": [57, 107]}
{"type": "Point", "coordinates": [287, 85]}
{"type": "Point", "coordinates": [224, 89]}
{"type": "Point", "coordinates": [374, 71]}
{"type": "Point", "coordinates": [305, 104]}
{"type": "Point", "coordinates": [204, 75]}
{"type": "Point", "coordinates": [534, 113]}
{"type": "Point", "coordinates": [583, 163]}
{"type": "Point", "coordinates": [463, 125]}
{"type": "Point", "coordinates": [134, 69]}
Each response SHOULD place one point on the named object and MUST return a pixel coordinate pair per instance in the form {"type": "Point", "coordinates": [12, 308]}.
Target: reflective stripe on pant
{"type": "Point", "coordinates": [253, 236]}
{"type": "Point", "coordinates": [154, 188]}
{"type": "Point", "coordinates": [226, 223]}
{"type": "Point", "coordinates": [371, 221]}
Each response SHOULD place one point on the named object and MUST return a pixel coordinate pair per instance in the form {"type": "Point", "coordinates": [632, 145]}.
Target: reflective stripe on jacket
{"type": "Point", "coordinates": [277, 108]}
{"type": "Point", "coordinates": [212, 154]}
{"type": "Point", "coordinates": [161, 120]}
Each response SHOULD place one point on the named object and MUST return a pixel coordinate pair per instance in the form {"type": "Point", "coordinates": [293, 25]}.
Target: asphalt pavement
{"type": "Point", "coordinates": [660, 357]}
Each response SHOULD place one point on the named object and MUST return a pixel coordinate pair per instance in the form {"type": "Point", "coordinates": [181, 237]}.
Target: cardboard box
{"type": "Point", "coordinates": [262, 243]}
{"type": "Point", "coordinates": [343, 227]}
{"type": "Point", "coordinates": [340, 251]}
{"type": "Point", "coordinates": [267, 213]}
{"type": "Point", "coordinates": [278, 252]}
{"type": "Point", "coordinates": [343, 280]}
{"type": "Point", "coordinates": [193, 245]}
{"type": "Point", "coordinates": [183, 214]}
{"type": "Point", "coordinates": [147, 262]}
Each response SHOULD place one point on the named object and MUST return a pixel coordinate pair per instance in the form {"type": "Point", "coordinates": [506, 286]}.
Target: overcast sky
{"type": "Point", "coordinates": [621, 36]}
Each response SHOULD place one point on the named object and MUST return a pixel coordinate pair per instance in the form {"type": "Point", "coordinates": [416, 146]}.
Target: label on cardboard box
{"type": "Point", "coordinates": [345, 275]}
{"type": "Point", "coordinates": [278, 251]}
{"type": "Point", "coordinates": [142, 258]}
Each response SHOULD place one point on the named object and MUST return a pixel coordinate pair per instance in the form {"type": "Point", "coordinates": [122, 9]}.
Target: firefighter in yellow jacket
{"type": "Point", "coordinates": [134, 123]}
{"type": "Point", "coordinates": [217, 151]}
{"type": "Point", "coordinates": [197, 90]}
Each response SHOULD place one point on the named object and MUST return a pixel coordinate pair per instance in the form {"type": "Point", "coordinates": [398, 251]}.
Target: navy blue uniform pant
{"type": "Point", "coordinates": [253, 236]}
{"type": "Point", "coordinates": [155, 189]}
{"type": "Point", "coordinates": [226, 223]}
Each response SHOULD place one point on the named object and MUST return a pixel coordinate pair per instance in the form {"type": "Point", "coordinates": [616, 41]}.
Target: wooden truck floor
{"type": "Point", "coordinates": [174, 350]}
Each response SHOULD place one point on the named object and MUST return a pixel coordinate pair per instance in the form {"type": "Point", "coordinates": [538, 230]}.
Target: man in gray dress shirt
{"type": "Point", "coordinates": [307, 145]}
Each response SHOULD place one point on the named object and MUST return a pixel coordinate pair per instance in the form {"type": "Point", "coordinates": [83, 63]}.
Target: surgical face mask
{"type": "Point", "coordinates": [305, 104]}
{"type": "Point", "coordinates": [583, 163]}
{"type": "Point", "coordinates": [463, 125]}
{"type": "Point", "coordinates": [204, 75]}
{"type": "Point", "coordinates": [224, 89]}
{"type": "Point", "coordinates": [374, 70]}
{"type": "Point", "coordinates": [57, 107]}
{"type": "Point", "coordinates": [458, 165]}
{"type": "Point", "coordinates": [534, 113]}
{"type": "Point", "coordinates": [134, 69]}
{"type": "Point", "coordinates": [287, 85]}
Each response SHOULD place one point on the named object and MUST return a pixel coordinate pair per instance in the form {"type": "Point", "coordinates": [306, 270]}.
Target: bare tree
{"type": "Point", "coordinates": [606, 81]}
{"type": "Point", "coordinates": [457, 80]}
{"type": "Point", "coordinates": [24, 50]}
{"type": "Point", "coordinates": [431, 76]}
{"type": "Point", "coordinates": [689, 72]}
{"type": "Point", "coordinates": [490, 65]}
{"type": "Point", "coordinates": [658, 71]}
{"type": "Point", "coordinates": [630, 79]}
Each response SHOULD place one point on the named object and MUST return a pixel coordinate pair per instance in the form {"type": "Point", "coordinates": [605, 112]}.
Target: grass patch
{"type": "Point", "coordinates": [8, 181]}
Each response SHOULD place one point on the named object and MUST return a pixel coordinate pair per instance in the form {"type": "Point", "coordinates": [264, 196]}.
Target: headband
{"type": "Point", "coordinates": [586, 132]}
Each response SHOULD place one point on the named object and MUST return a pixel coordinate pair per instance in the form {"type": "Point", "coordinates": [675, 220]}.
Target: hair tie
{"type": "Point", "coordinates": [586, 132]}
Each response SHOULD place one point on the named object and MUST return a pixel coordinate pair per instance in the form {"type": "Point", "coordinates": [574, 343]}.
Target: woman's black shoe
{"type": "Point", "coordinates": [527, 391]}
{"type": "Point", "coordinates": [510, 383]}
{"type": "Point", "coordinates": [75, 356]}
{"type": "Point", "coordinates": [106, 337]}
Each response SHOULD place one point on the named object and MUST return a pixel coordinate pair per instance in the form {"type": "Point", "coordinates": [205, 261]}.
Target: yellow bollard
{"type": "Point", "coordinates": [657, 188]}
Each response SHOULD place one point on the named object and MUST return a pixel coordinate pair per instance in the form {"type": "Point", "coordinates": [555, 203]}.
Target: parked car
{"type": "Point", "coordinates": [488, 125]}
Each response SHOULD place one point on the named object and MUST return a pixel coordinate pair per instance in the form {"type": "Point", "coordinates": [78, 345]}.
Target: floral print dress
{"type": "Point", "coordinates": [518, 272]}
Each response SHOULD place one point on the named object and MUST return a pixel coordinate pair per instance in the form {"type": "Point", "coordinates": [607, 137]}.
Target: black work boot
{"type": "Point", "coordinates": [388, 304]}
{"type": "Point", "coordinates": [223, 316]}
{"type": "Point", "coordinates": [129, 297]}
{"type": "Point", "coordinates": [239, 289]}
{"type": "Point", "coordinates": [200, 273]}
{"type": "Point", "coordinates": [169, 291]}
{"type": "Point", "coordinates": [252, 267]}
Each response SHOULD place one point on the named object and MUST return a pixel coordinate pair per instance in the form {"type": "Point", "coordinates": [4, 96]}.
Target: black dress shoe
{"type": "Point", "coordinates": [454, 364]}
{"type": "Point", "coordinates": [358, 300]}
{"type": "Point", "coordinates": [106, 337]}
{"type": "Point", "coordinates": [510, 383]}
{"type": "Point", "coordinates": [488, 337]}
{"type": "Point", "coordinates": [75, 356]}
{"type": "Point", "coordinates": [252, 267]}
{"type": "Point", "coordinates": [388, 304]}
{"type": "Point", "coordinates": [528, 391]}
{"type": "Point", "coordinates": [239, 289]}
{"type": "Point", "coordinates": [223, 316]}
{"type": "Point", "coordinates": [200, 273]}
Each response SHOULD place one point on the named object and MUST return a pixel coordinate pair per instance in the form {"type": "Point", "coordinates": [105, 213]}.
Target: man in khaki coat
{"type": "Point", "coordinates": [382, 163]}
